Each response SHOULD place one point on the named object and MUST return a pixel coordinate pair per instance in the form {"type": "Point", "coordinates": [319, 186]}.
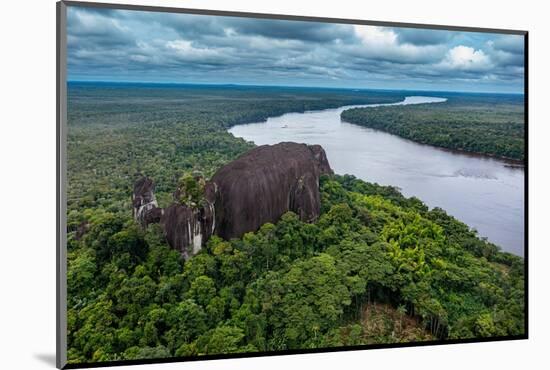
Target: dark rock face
{"type": "Point", "coordinates": [187, 229]}
{"type": "Point", "coordinates": [264, 183]}
{"type": "Point", "coordinates": [258, 187]}
{"type": "Point", "coordinates": [146, 209]}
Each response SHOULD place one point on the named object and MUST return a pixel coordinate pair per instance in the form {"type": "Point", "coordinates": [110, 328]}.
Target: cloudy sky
{"type": "Point", "coordinates": [123, 45]}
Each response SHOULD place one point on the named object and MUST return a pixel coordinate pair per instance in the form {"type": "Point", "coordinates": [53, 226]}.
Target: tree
{"type": "Point", "coordinates": [223, 339]}
{"type": "Point", "coordinates": [191, 189]}
{"type": "Point", "coordinates": [186, 322]}
{"type": "Point", "coordinates": [202, 290]}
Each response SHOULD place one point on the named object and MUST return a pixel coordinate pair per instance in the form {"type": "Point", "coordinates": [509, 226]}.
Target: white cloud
{"type": "Point", "coordinates": [139, 58]}
{"type": "Point", "coordinates": [383, 43]}
{"type": "Point", "coordinates": [466, 58]}
{"type": "Point", "coordinates": [506, 51]}
{"type": "Point", "coordinates": [92, 24]}
{"type": "Point", "coordinates": [509, 43]}
{"type": "Point", "coordinates": [185, 48]}
{"type": "Point", "coordinates": [376, 36]}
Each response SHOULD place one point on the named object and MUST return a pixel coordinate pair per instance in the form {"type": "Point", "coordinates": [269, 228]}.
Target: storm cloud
{"type": "Point", "coordinates": [125, 45]}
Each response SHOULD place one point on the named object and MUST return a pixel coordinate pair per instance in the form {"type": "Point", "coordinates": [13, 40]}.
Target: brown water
{"type": "Point", "coordinates": [485, 193]}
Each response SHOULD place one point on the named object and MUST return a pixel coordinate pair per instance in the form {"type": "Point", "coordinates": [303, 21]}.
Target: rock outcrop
{"type": "Point", "coordinates": [258, 187]}
{"type": "Point", "coordinates": [146, 209]}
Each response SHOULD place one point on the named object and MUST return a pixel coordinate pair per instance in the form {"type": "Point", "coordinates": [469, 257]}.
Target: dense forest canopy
{"type": "Point", "coordinates": [375, 268]}
{"type": "Point", "coordinates": [485, 124]}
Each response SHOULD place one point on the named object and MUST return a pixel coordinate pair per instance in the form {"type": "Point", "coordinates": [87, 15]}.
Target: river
{"type": "Point", "coordinates": [485, 193]}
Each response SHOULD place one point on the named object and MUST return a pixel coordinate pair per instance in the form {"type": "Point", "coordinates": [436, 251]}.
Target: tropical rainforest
{"type": "Point", "coordinates": [489, 125]}
{"type": "Point", "coordinates": [376, 267]}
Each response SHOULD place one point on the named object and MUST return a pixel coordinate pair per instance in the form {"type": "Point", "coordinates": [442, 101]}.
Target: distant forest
{"type": "Point", "coordinates": [491, 125]}
{"type": "Point", "coordinates": [375, 268]}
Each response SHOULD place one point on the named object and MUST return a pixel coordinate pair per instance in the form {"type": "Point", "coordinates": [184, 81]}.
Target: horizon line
{"type": "Point", "coordinates": [291, 86]}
